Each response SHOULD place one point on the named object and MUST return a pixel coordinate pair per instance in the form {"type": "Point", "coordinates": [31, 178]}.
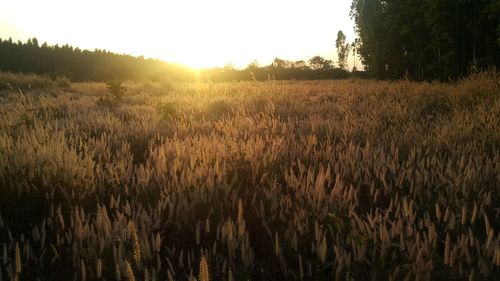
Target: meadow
{"type": "Point", "coordinates": [263, 180]}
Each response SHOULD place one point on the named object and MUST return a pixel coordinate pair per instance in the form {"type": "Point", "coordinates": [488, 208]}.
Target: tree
{"type": "Point", "coordinates": [342, 50]}
{"type": "Point", "coordinates": [427, 39]}
{"type": "Point", "coordinates": [254, 65]}
{"type": "Point", "coordinates": [252, 69]}
{"type": "Point", "coordinates": [354, 47]}
{"type": "Point", "coordinates": [32, 57]}
{"type": "Point", "coordinates": [279, 63]}
{"type": "Point", "coordinates": [318, 62]}
{"type": "Point", "coordinates": [299, 64]}
{"type": "Point", "coordinates": [32, 42]}
{"type": "Point", "coordinates": [116, 89]}
{"type": "Point", "coordinates": [228, 67]}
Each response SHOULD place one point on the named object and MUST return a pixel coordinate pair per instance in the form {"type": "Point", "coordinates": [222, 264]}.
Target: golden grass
{"type": "Point", "coordinates": [310, 180]}
{"type": "Point", "coordinates": [204, 275]}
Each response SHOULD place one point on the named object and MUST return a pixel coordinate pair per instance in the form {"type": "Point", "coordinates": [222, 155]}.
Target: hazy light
{"type": "Point", "coordinates": [193, 32]}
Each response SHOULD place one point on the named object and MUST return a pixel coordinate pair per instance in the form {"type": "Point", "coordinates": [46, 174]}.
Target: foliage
{"type": "Point", "coordinates": [114, 95]}
{"type": "Point", "coordinates": [316, 68]}
{"type": "Point", "coordinates": [342, 50]}
{"type": "Point", "coordinates": [84, 65]}
{"type": "Point", "coordinates": [274, 180]}
{"type": "Point", "coordinates": [116, 89]}
{"type": "Point", "coordinates": [99, 65]}
{"type": "Point", "coordinates": [435, 39]}
{"type": "Point", "coordinates": [318, 62]}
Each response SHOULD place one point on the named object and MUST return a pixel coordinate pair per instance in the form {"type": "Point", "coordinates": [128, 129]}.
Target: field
{"type": "Point", "coordinates": [297, 180]}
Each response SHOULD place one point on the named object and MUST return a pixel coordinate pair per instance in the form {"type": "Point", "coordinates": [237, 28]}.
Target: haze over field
{"type": "Point", "coordinates": [193, 32]}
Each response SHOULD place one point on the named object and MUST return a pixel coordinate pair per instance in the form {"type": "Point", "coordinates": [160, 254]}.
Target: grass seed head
{"type": "Point", "coordinates": [204, 274]}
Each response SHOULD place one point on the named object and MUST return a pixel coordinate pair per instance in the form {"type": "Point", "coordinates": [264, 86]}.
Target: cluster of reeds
{"type": "Point", "coordinates": [312, 180]}
{"type": "Point", "coordinates": [16, 81]}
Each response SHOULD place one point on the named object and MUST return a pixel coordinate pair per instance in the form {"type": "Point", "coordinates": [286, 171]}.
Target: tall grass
{"type": "Point", "coordinates": [344, 180]}
{"type": "Point", "coordinates": [15, 81]}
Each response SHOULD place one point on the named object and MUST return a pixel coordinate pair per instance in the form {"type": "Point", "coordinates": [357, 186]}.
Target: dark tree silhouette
{"type": "Point", "coordinates": [318, 62]}
{"type": "Point", "coordinates": [427, 39]}
{"type": "Point", "coordinates": [100, 65]}
{"type": "Point", "coordinates": [78, 65]}
{"type": "Point", "coordinates": [342, 50]}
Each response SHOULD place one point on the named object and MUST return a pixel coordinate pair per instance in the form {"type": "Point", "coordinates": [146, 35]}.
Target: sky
{"type": "Point", "coordinates": [196, 33]}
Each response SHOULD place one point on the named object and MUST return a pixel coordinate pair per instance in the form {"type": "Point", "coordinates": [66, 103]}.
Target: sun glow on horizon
{"type": "Point", "coordinates": [193, 33]}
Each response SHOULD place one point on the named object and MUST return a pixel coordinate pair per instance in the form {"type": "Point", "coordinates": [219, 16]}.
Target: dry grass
{"type": "Point", "coordinates": [344, 180]}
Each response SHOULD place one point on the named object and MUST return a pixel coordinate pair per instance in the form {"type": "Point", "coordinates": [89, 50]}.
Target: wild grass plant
{"type": "Point", "coordinates": [15, 81]}
{"type": "Point", "coordinates": [310, 180]}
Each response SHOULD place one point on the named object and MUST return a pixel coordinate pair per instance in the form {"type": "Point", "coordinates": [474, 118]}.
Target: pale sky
{"type": "Point", "coordinates": [198, 33]}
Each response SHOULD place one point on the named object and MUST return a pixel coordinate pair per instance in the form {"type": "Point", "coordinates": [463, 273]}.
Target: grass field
{"type": "Point", "coordinates": [309, 180]}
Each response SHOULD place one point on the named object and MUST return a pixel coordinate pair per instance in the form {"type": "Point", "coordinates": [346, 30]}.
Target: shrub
{"type": "Point", "coordinates": [116, 89]}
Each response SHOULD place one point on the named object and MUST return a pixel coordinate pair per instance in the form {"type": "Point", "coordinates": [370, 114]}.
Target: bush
{"type": "Point", "coordinates": [116, 89]}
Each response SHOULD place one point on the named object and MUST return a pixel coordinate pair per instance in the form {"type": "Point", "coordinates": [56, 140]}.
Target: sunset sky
{"type": "Point", "coordinates": [197, 33]}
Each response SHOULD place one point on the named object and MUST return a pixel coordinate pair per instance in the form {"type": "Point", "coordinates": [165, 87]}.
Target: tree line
{"type": "Point", "coordinates": [101, 65]}
{"type": "Point", "coordinates": [416, 39]}
{"type": "Point", "coordinates": [84, 65]}
{"type": "Point", "coordinates": [427, 39]}
{"type": "Point", "coordinates": [315, 68]}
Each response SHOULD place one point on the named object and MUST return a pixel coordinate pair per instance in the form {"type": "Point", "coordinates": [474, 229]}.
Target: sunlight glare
{"type": "Point", "coordinates": [191, 32]}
